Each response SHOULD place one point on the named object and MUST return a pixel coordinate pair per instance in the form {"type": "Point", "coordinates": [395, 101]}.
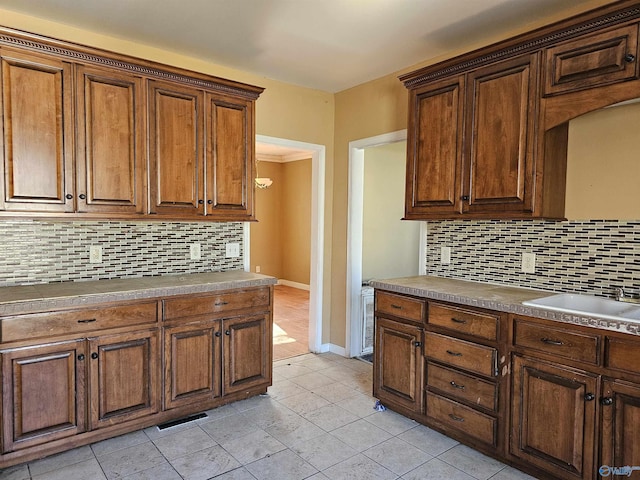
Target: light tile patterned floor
{"type": "Point", "coordinates": [317, 422]}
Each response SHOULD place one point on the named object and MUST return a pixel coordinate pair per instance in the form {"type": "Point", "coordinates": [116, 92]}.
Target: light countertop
{"type": "Point", "coordinates": [495, 297]}
{"type": "Point", "coordinates": [52, 296]}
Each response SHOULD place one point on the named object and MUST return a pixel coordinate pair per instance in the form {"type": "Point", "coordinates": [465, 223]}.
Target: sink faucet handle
{"type": "Point", "coordinates": [619, 292]}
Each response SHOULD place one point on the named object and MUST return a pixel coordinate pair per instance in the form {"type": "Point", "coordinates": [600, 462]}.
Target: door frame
{"type": "Point", "coordinates": [354, 236]}
{"type": "Point", "coordinates": [316, 293]}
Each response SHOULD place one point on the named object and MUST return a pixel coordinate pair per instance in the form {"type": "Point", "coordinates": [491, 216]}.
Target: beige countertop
{"type": "Point", "coordinates": [495, 297]}
{"type": "Point", "coordinates": [52, 296]}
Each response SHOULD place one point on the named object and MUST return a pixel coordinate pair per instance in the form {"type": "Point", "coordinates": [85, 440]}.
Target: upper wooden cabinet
{"type": "Point", "coordinates": [80, 126]}
{"type": "Point", "coordinates": [487, 130]}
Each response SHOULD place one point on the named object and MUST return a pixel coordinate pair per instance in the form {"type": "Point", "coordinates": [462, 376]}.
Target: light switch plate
{"type": "Point", "coordinates": [95, 254]}
{"type": "Point", "coordinates": [528, 262]}
{"type": "Point", "coordinates": [445, 255]}
{"type": "Point", "coordinates": [194, 251]}
{"type": "Point", "coordinates": [232, 250]}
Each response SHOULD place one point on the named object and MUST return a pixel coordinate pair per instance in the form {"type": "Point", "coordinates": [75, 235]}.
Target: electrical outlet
{"type": "Point", "coordinates": [194, 251]}
{"type": "Point", "coordinates": [445, 255]}
{"type": "Point", "coordinates": [528, 262]}
{"type": "Point", "coordinates": [232, 250]}
{"type": "Point", "coordinates": [257, 268]}
{"type": "Point", "coordinates": [95, 254]}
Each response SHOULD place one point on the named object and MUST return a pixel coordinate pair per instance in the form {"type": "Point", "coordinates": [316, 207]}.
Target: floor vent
{"type": "Point", "coordinates": [180, 421]}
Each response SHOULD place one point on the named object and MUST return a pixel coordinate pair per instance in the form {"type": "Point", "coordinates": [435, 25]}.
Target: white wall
{"type": "Point", "coordinates": [389, 245]}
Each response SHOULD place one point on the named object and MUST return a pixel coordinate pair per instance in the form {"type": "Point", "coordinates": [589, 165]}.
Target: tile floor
{"type": "Point", "coordinates": [316, 422]}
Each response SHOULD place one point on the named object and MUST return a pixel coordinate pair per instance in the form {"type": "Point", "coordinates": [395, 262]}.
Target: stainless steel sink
{"type": "Point", "coordinates": [587, 305]}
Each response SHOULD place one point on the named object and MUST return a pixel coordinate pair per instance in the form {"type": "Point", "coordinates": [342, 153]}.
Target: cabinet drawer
{"type": "Point", "coordinates": [623, 354]}
{"type": "Point", "coordinates": [411, 309]}
{"type": "Point", "coordinates": [561, 342]}
{"type": "Point", "coordinates": [470, 356]}
{"type": "Point", "coordinates": [464, 387]}
{"type": "Point", "coordinates": [592, 61]}
{"type": "Point", "coordinates": [465, 321]}
{"type": "Point", "coordinates": [23, 327]}
{"type": "Point", "coordinates": [475, 424]}
{"type": "Point", "coordinates": [216, 303]}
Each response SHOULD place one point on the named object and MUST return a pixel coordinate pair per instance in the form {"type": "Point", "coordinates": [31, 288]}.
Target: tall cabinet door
{"type": "Point", "coordinates": [434, 149]}
{"type": "Point", "coordinates": [553, 417]}
{"type": "Point", "coordinates": [498, 161]}
{"type": "Point", "coordinates": [111, 141]}
{"type": "Point", "coordinates": [620, 419]}
{"type": "Point", "coordinates": [230, 158]}
{"type": "Point", "coordinates": [44, 394]}
{"type": "Point", "coordinates": [176, 149]}
{"type": "Point", "coordinates": [37, 133]}
{"type": "Point", "coordinates": [123, 377]}
{"type": "Point", "coordinates": [247, 353]}
{"type": "Point", "coordinates": [398, 376]}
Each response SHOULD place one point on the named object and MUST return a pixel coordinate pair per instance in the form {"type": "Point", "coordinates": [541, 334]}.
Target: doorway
{"type": "Point", "coordinates": [291, 150]}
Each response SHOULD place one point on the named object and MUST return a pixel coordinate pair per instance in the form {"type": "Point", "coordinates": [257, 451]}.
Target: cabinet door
{"type": "Point", "coordinates": [620, 425]}
{"type": "Point", "coordinates": [111, 142]}
{"type": "Point", "coordinates": [192, 365]}
{"type": "Point", "coordinates": [434, 156]}
{"type": "Point", "coordinates": [37, 134]}
{"type": "Point", "coordinates": [498, 158]}
{"type": "Point", "coordinates": [248, 345]}
{"type": "Point", "coordinates": [123, 377]}
{"type": "Point", "coordinates": [230, 154]}
{"type": "Point", "coordinates": [553, 417]}
{"type": "Point", "coordinates": [176, 150]}
{"type": "Point", "coordinates": [398, 365]}
{"type": "Point", "coordinates": [43, 394]}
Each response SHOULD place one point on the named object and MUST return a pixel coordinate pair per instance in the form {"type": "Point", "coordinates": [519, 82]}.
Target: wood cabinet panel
{"type": "Point", "coordinates": [464, 321]}
{"type": "Point", "coordinates": [620, 420]}
{"type": "Point", "coordinates": [176, 149]}
{"type": "Point", "coordinates": [498, 158]}
{"type": "Point", "coordinates": [398, 366]}
{"type": "Point", "coordinates": [554, 417]}
{"type": "Point", "coordinates": [124, 377]}
{"type": "Point", "coordinates": [622, 354]}
{"type": "Point", "coordinates": [37, 133]}
{"type": "Point", "coordinates": [473, 390]}
{"type": "Point", "coordinates": [470, 356]}
{"type": "Point", "coordinates": [111, 141]}
{"type": "Point", "coordinates": [412, 309]}
{"type": "Point", "coordinates": [434, 149]}
{"type": "Point", "coordinates": [189, 306]}
{"type": "Point", "coordinates": [43, 394]}
{"type": "Point", "coordinates": [247, 351]}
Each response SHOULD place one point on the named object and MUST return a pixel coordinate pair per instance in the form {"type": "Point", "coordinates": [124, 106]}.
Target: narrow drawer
{"type": "Point", "coordinates": [23, 327]}
{"type": "Point", "coordinates": [557, 341]}
{"type": "Point", "coordinates": [478, 425]}
{"type": "Point", "coordinates": [463, 387]}
{"type": "Point", "coordinates": [623, 354]}
{"type": "Point", "coordinates": [470, 356]}
{"type": "Point", "coordinates": [217, 303]}
{"type": "Point", "coordinates": [400, 306]}
{"type": "Point", "coordinates": [478, 324]}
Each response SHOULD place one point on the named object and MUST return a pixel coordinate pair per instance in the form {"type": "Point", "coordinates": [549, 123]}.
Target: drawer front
{"type": "Point", "coordinates": [400, 306]}
{"type": "Point", "coordinates": [23, 327]}
{"type": "Point", "coordinates": [478, 425]}
{"type": "Point", "coordinates": [465, 321]}
{"type": "Point", "coordinates": [216, 303]}
{"type": "Point", "coordinates": [463, 387]}
{"type": "Point", "coordinates": [623, 354]}
{"type": "Point", "coordinates": [561, 342]}
{"type": "Point", "coordinates": [470, 356]}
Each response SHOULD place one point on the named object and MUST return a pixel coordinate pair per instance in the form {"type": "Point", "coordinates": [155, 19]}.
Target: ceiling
{"type": "Point", "coordinates": [330, 45]}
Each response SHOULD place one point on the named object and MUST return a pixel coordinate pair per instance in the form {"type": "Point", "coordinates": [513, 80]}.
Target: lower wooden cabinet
{"type": "Point", "coordinates": [398, 365]}
{"type": "Point", "coordinates": [620, 405]}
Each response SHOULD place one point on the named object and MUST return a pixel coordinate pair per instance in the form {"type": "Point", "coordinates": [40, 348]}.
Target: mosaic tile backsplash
{"type": "Point", "coordinates": [35, 252]}
{"type": "Point", "coordinates": [591, 257]}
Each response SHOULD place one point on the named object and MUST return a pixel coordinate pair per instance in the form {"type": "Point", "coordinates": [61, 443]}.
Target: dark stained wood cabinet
{"type": "Point", "coordinates": [397, 373]}
{"type": "Point", "coordinates": [620, 404]}
{"type": "Point", "coordinates": [553, 417]}
{"type": "Point", "coordinates": [111, 141]}
{"type": "Point", "coordinates": [37, 133]}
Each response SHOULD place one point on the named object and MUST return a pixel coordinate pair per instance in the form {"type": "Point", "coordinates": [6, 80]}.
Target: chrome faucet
{"type": "Point", "coordinates": [621, 296]}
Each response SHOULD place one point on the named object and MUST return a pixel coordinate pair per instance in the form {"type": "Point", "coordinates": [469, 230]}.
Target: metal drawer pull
{"type": "Point", "coordinates": [455, 385]}
{"type": "Point", "coordinates": [458, 320]}
{"type": "Point", "coordinates": [398, 307]}
{"type": "Point", "coordinates": [454, 354]}
{"type": "Point", "coordinates": [220, 304]}
{"type": "Point", "coordinates": [88, 320]}
{"type": "Point", "coordinates": [550, 341]}
{"type": "Point", "coordinates": [456, 418]}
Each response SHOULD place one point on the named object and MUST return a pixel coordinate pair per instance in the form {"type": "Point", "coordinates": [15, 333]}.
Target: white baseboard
{"type": "Point", "coordinates": [329, 347]}
{"type": "Point", "coordinates": [288, 283]}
